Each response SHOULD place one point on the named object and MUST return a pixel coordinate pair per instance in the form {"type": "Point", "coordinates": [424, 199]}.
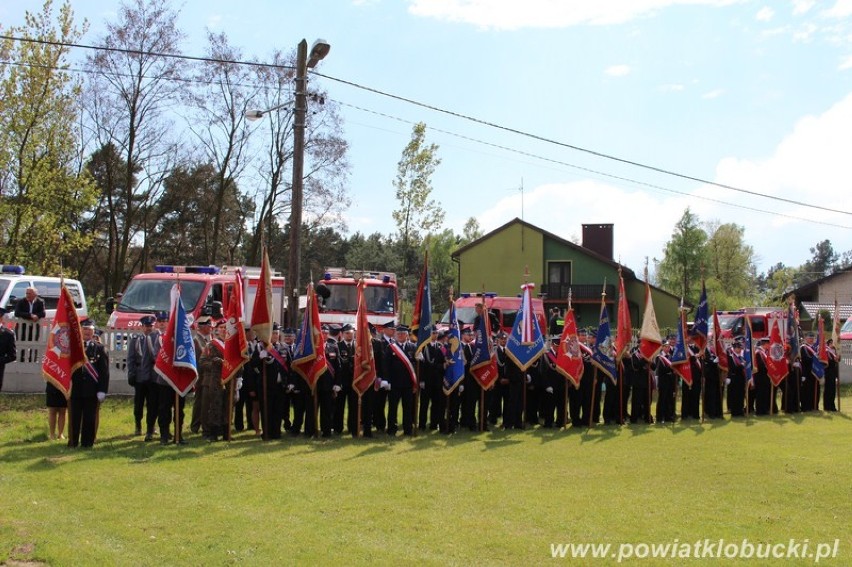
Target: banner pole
{"type": "Point", "coordinates": [265, 408]}
{"type": "Point", "coordinates": [620, 393]}
{"type": "Point", "coordinates": [649, 418]}
{"type": "Point", "coordinates": [524, 401]}
{"type": "Point", "coordinates": [703, 395]}
{"type": "Point", "coordinates": [416, 414]}
{"type": "Point", "coordinates": [177, 418]}
{"type": "Point", "coordinates": [771, 399]}
{"type": "Point", "coordinates": [71, 430]}
{"type": "Point", "coordinates": [230, 418]}
{"type": "Point", "coordinates": [592, 406]}
{"type": "Point", "coordinates": [316, 412]}
{"type": "Point", "coordinates": [358, 419]}
{"type": "Point", "coordinates": [565, 401]}
{"type": "Point", "coordinates": [481, 409]}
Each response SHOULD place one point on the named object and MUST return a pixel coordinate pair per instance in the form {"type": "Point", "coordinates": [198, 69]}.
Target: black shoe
{"type": "Point", "coordinates": [183, 441]}
{"type": "Point", "coordinates": [138, 430]}
{"type": "Point", "coordinates": [149, 437]}
{"type": "Point", "coordinates": [368, 434]}
{"type": "Point", "coordinates": [164, 440]}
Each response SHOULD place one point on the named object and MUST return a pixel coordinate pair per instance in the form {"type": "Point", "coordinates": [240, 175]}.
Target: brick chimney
{"type": "Point", "coordinates": [598, 238]}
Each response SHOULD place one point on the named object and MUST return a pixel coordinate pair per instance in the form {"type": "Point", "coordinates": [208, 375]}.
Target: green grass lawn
{"type": "Point", "coordinates": [489, 498]}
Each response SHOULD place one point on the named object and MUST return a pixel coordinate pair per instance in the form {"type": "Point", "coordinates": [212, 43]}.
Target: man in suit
{"type": "Point", "coordinates": [400, 376]}
{"type": "Point", "coordinates": [8, 351]}
{"type": "Point", "coordinates": [141, 356]}
{"type": "Point", "coordinates": [89, 387]}
{"type": "Point", "coordinates": [29, 308]}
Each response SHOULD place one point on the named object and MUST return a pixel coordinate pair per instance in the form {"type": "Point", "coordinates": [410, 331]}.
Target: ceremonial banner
{"type": "Point", "coordinates": [261, 313]}
{"type": "Point", "coordinates": [309, 355]}
{"type": "Point", "coordinates": [835, 325]}
{"type": "Point", "coordinates": [176, 359]}
{"type": "Point", "coordinates": [365, 361]}
{"type": "Point", "coordinates": [792, 332]}
{"type": "Point", "coordinates": [776, 362]}
{"type": "Point", "coordinates": [569, 360]}
{"type": "Point", "coordinates": [526, 342]}
{"type": "Point", "coordinates": [680, 355]}
{"type": "Point", "coordinates": [718, 344]}
{"type": "Point", "coordinates": [483, 365]}
{"type": "Point", "coordinates": [820, 355]}
{"type": "Point", "coordinates": [421, 320]}
{"type": "Point", "coordinates": [748, 352]}
{"type": "Point", "coordinates": [65, 352]}
{"type": "Point", "coordinates": [701, 324]}
{"type": "Point", "coordinates": [236, 345]}
{"type": "Point", "coordinates": [624, 329]}
{"type": "Point", "coordinates": [602, 353]}
{"type": "Point", "coordinates": [650, 340]}
{"type": "Point", "coordinates": [454, 371]}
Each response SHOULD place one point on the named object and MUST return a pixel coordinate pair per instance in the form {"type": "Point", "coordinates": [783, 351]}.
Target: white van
{"type": "Point", "coordinates": [14, 283]}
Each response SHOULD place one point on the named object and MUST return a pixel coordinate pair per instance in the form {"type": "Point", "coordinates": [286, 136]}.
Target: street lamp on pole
{"type": "Point", "coordinates": [304, 61]}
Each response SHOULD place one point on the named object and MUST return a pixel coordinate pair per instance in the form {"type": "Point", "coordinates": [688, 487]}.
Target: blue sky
{"type": "Point", "coordinates": [756, 95]}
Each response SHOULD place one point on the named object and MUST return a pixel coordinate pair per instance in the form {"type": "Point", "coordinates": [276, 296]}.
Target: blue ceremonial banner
{"type": "Point", "coordinates": [454, 372]}
{"type": "Point", "coordinates": [176, 362]}
{"type": "Point", "coordinates": [792, 332]}
{"type": "Point", "coordinates": [602, 353]}
{"type": "Point", "coordinates": [702, 320]}
{"type": "Point", "coordinates": [526, 343]}
{"type": "Point", "coordinates": [421, 321]}
{"type": "Point", "coordinates": [680, 356]}
{"type": "Point", "coordinates": [748, 353]}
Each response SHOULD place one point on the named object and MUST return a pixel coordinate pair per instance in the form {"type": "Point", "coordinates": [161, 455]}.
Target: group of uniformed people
{"type": "Point", "coordinates": [271, 398]}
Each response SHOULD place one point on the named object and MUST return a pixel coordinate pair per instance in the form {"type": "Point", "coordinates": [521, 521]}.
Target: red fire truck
{"type": "Point", "coordinates": [338, 296]}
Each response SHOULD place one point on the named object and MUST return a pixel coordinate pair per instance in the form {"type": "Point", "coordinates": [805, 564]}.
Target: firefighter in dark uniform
{"type": "Point", "coordinates": [809, 395]}
{"type": "Point", "coordinates": [243, 405]}
{"type": "Point", "coordinates": [431, 391]}
{"type": "Point", "coordinates": [638, 370]}
{"type": "Point", "coordinates": [712, 385]}
{"type": "Point", "coordinates": [276, 382]}
{"type": "Point", "coordinates": [88, 391]}
{"type": "Point", "coordinates": [471, 388]}
{"type": "Point", "coordinates": [346, 396]}
{"type": "Point", "coordinates": [553, 394]}
{"type": "Point", "coordinates": [399, 375]}
{"type": "Point", "coordinates": [328, 385]}
{"type": "Point", "coordinates": [690, 404]}
{"type": "Point", "coordinates": [380, 396]}
{"type": "Point", "coordinates": [665, 384]}
{"type": "Point", "coordinates": [762, 384]}
{"type": "Point", "coordinates": [736, 379]}
{"type": "Point", "coordinates": [832, 370]}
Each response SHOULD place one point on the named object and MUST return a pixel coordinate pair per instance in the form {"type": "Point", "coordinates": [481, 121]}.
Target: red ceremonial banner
{"type": "Point", "coordinates": [65, 352]}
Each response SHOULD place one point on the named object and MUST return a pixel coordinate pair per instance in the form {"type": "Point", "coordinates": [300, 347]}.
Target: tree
{"type": "Point", "coordinates": [417, 214]}
{"type": "Point", "coordinates": [44, 191]}
{"type": "Point", "coordinates": [680, 269]}
{"type": "Point", "coordinates": [822, 263]}
{"type": "Point", "coordinates": [730, 263]}
{"type": "Point", "coordinates": [218, 106]}
{"type": "Point", "coordinates": [443, 271]}
{"type": "Point", "coordinates": [471, 231]}
{"type": "Point", "coordinates": [132, 90]}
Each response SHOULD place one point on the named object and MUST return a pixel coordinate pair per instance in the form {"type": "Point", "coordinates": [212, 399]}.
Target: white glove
{"type": "Point", "coordinates": [422, 385]}
{"type": "Point", "coordinates": [290, 387]}
{"type": "Point", "coordinates": [727, 381]}
{"type": "Point", "coordinates": [101, 396]}
{"type": "Point", "coordinates": [549, 389]}
{"type": "Point", "coordinates": [797, 364]}
{"type": "Point", "coordinates": [529, 378]}
{"type": "Point", "coordinates": [236, 395]}
{"type": "Point", "coordinates": [461, 388]}
{"type": "Point", "coordinates": [336, 388]}
{"type": "Point", "coordinates": [385, 385]}
{"type": "Point", "coordinates": [804, 378]}
{"type": "Point", "coordinates": [262, 354]}
{"type": "Point", "coordinates": [715, 360]}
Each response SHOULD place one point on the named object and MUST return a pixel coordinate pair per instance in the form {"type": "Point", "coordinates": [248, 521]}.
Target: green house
{"type": "Point", "coordinates": [517, 252]}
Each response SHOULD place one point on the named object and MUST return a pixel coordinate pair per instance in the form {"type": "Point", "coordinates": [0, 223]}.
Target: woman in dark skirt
{"type": "Point", "coordinates": [56, 408]}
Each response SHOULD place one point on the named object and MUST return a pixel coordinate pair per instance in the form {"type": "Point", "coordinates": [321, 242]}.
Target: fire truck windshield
{"type": "Point", "coordinates": [344, 298]}
{"type": "Point", "coordinates": [149, 296]}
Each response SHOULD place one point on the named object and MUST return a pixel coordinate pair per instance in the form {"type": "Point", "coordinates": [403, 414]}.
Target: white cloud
{"type": "Point", "coordinates": [617, 70]}
{"type": "Point", "coordinates": [841, 9]}
{"type": "Point", "coordinates": [845, 64]}
{"type": "Point", "coordinates": [765, 14]}
{"type": "Point", "coordinates": [214, 21]}
{"type": "Point", "coordinates": [802, 6]}
{"type": "Point", "coordinates": [810, 164]}
{"type": "Point", "coordinates": [805, 32]}
{"type": "Point", "coordinates": [672, 88]}
{"type": "Point", "coordinates": [513, 14]}
{"type": "Point", "coordinates": [715, 93]}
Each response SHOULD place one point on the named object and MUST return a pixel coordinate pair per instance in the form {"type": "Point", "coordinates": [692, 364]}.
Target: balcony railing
{"type": "Point", "coordinates": [579, 292]}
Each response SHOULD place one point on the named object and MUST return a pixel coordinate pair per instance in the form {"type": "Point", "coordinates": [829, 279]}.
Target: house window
{"type": "Point", "coordinates": [559, 272]}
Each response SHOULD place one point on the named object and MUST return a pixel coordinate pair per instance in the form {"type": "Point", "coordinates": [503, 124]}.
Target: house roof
{"type": "Point", "coordinates": [808, 287]}
{"type": "Point", "coordinates": [813, 308]}
{"type": "Point", "coordinates": [629, 275]}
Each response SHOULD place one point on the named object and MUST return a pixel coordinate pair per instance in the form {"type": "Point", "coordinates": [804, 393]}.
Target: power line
{"type": "Point", "coordinates": [454, 114]}
{"type": "Point", "coordinates": [628, 180]}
